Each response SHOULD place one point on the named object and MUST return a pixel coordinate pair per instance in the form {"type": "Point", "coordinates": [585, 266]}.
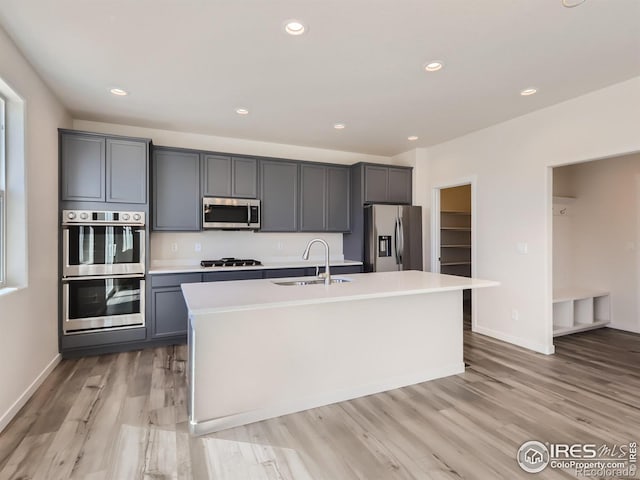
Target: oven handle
{"type": "Point", "coordinates": [142, 249]}
{"type": "Point", "coordinates": [101, 277]}
{"type": "Point", "coordinates": [65, 249]}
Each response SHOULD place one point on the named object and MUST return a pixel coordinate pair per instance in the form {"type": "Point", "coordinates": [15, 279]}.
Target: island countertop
{"type": "Point", "coordinates": [204, 298]}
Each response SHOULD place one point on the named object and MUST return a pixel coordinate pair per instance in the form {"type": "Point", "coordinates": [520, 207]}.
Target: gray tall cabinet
{"type": "Point", "coordinates": [279, 195]}
{"type": "Point", "coordinates": [176, 190]}
{"type": "Point", "coordinates": [324, 198]}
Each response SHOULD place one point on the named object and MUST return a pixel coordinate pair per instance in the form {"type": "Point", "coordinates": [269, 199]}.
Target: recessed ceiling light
{"type": "Point", "coordinates": [294, 27]}
{"type": "Point", "coordinates": [433, 66]}
{"type": "Point", "coordinates": [119, 92]}
{"type": "Point", "coordinates": [528, 91]}
{"type": "Point", "coordinates": [242, 111]}
{"type": "Point", "coordinates": [572, 3]}
{"type": "Point", "coordinates": [339, 126]}
{"type": "Point", "coordinates": [412, 138]}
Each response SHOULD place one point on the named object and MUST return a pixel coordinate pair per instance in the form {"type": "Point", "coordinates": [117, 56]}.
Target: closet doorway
{"type": "Point", "coordinates": [454, 246]}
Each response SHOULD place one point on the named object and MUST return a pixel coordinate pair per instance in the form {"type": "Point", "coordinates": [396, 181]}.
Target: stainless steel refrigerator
{"type": "Point", "coordinates": [392, 238]}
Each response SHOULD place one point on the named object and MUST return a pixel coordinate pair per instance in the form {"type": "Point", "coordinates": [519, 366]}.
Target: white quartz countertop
{"type": "Point", "coordinates": [216, 297]}
{"type": "Point", "coordinates": [196, 268]}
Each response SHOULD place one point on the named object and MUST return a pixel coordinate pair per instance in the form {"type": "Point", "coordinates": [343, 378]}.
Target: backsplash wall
{"type": "Point", "coordinates": [169, 248]}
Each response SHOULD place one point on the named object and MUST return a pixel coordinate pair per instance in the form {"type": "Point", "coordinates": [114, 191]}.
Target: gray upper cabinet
{"type": "Point", "coordinates": [400, 185]}
{"type": "Point", "coordinates": [324, 198]}
{"type": "Point", "coordinates": [313, 198]}
{"type": "Point", "coordinates": [375, 183]}
{"type": "Point", "coordinates": [338, 199]}
{"type": "Point", "coordinates": [224, 176]}
{"type": "Point", "coordinates": [244, 178]}
{"type": "Point", "coordinates": [279, 195]}
{"type": "Point", "coordinates": [83, 167]}
{"type": "Point", "coordinates": [95, 168]}
{"type": "Point", "coordinates": [176, 190]}
{"type": "Point", "coordinates": [127, 162]}
{"type": "Point", "coordinates": [387, 184]}
{"type": "Point", "coordinates": [216, 175]}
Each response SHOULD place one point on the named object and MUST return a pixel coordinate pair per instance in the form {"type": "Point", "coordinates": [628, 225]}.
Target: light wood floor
{"type": "Point", "coordinates": [124, 417]}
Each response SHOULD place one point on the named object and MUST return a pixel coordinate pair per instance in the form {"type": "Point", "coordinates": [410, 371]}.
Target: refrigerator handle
{"type": "Point", "coordinates": [396, 239]}
{"type": "Point", "coordinates": [401, 247]}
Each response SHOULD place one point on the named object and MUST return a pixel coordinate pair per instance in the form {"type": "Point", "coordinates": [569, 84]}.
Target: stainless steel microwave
{"type": "Point", "coordinates": [230, 213]}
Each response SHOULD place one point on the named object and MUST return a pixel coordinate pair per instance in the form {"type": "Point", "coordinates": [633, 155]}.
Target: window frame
{"type": "Point", "coordinates": [3, 197]}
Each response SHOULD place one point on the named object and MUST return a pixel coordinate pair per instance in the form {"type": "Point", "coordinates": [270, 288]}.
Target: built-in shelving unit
{"type": "Point", "coordinates": [455, 242]}
{"type": "Point", "coordinates": [580, 309]}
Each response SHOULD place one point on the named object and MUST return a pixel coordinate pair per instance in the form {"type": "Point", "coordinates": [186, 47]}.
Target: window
{"type": "Point", "coordinates": [2, 195]}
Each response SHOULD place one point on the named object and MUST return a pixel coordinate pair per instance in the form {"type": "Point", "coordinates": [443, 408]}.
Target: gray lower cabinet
{"type": "Point", "coordinates": [287, 272]}
{"type": "Point", "coordinates": [224, 176]}
{"type": "Point", "coordinates": [229, 275]}
{"type": "Point", "coordinates": [97, 168]}
{"type": "Point", "coordinates": [176, 190]}
{"type": "Point", "coordinates": [335, 270]}
{"type": "Point", "coordinates": [324, 198]}
{"type": "Point", "coordinates": [279, 195]}
{"type": "Point", "coordinates": [168, 309]}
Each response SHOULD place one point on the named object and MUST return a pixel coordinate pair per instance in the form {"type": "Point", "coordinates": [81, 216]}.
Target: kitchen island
{"type": "Point", "coordinates": [258, 349]}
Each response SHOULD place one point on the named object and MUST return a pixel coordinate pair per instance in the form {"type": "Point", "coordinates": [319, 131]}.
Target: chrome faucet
{"type": "Point", "coordinates": [305, 256]}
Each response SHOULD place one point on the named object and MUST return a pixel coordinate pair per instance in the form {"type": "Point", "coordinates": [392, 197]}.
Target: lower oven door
{"type": "Point", "coordinates": [92, 304]}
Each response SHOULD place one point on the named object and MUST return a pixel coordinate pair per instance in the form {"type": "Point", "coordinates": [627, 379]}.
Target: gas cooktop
{"type": "Point", "coordinates": [230, 262]}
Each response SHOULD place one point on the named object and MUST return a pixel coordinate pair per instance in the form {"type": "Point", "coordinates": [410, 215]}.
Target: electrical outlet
{"type": "Point", "coordinates": [280, 245]}
{"type": "Point", "coordinates": [515, 315]}
{"type": "Point", "coordinates": [523, 248]}
{"type": "Point", "coordinates": [198, 247]}
{"type": "Point", "coordinates": [174, 247]}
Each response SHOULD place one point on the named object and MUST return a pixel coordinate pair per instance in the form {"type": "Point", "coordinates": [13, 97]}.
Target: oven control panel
{"type": "Point", "coordinates": [87, 217]}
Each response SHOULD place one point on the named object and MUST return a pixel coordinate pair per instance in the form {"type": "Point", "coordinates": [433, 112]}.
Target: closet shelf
{"type": "Point", "coordinates": [455, 246]}
{"type": "Point", "coordinates": [446, 264]}
{"type": "Point", "coordinates": [460, 229]}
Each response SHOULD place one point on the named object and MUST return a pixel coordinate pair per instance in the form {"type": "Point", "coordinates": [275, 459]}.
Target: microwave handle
{"type": "Point", "coordinates": [248, 214]}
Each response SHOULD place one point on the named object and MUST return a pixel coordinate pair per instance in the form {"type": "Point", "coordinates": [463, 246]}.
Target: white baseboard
{"type": "Point", "coordinates": [625, 329]}
{"type": "Point", "coordinates": [296, 405]}
{"type": "Point", "coordinates": [520, 342]}
{"type": "Point", "coordinates": [26, 395]}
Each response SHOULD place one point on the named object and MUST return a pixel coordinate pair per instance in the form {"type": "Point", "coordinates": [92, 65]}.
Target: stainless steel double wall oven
{"type": "Point", "coordinates": [103, 268]}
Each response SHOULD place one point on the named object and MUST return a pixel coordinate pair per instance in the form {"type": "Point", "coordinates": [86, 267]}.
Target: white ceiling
{"type": "Point", "coordinates": [189, 63]}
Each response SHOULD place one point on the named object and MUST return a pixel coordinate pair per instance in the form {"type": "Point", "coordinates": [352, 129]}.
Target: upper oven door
{"type": "Point", "coordinates": [102, 250]}
{"type": "Point", "coordinates": [230, 213]}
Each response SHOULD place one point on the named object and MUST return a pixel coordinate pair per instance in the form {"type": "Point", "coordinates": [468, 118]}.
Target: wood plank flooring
{"type": "Point", "coordinates": [124, 417]}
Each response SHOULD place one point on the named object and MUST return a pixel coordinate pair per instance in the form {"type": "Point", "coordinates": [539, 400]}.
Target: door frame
{"type": "Point", "coordinates": [435, 233]}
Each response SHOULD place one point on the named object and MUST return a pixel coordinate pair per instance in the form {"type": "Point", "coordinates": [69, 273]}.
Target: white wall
{"type": "Point", "coordinates": [604, 234]}
{"type": "Point", "coordinates": [513, 193]}
{"type": "Point", "coordinates": [29, 316]}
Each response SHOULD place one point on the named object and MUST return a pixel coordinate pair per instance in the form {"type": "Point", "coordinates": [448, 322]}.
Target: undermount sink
{"type": "Point", "coordinates": [318, 281]}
